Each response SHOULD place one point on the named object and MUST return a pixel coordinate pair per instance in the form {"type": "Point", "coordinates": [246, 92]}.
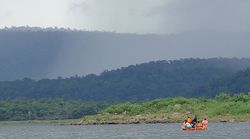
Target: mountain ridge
{"type": "Point", "coordinates": [159, 79]}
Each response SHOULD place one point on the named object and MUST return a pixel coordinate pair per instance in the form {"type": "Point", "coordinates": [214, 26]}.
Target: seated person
{"type": "Point", "coordinates": [194, 121]}
{"type": "Point", "coordinates": [184, 124]}
{"type": "Point", "coordinates": [199, 125]}
{"type": "Point", "coordinates": [189, 120]}
{"type": "Point", "coordinates": [188, 125]}
{"type": "Point", "coordinates": [205, 123]}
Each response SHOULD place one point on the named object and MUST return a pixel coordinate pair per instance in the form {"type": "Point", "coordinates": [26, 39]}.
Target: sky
{"type": "Point", "coordinates": [133, 16]}
{"type": "Point", "coordinates": [193, 28]}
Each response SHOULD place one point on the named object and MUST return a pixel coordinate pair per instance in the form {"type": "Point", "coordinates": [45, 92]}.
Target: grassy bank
{"type": "Point", "coordinates": [221, 108]}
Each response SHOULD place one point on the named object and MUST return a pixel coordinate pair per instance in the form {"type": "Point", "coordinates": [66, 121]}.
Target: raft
{"type": "Point", "coordinates": [193, 129]}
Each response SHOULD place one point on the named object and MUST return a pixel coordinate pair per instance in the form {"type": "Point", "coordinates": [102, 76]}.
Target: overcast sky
{"type": "Point", "coordinates": [197, 28]}
{"type": "Point", "coordinates": [140, 16]}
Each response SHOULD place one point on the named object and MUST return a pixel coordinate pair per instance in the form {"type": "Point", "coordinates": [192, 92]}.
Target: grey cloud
{"type": "Point", "coordinates": [140, 16]}
{"type": "Point", "coordinates": [78, 6]}
{"type": "Point", "coordinates": [168, 16]}
{"type": "Point", "coordinates": [226, 15]}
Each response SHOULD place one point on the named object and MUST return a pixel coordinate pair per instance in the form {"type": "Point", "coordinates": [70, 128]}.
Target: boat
{"type": "Point", "coordinates": [193, 129]}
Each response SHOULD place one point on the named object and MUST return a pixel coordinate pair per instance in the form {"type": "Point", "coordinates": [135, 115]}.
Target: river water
{"type": "Point", "coordinates": [140, 131]}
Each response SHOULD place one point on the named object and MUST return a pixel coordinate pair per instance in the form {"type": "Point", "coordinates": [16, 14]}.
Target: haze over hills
{"type": "Point", "coordinates": [48, 53]}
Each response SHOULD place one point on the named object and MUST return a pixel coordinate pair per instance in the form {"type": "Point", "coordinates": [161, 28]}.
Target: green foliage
{"type": "Point", "coordinates": [180, 100]}
{"type": "Point", "coordinates": [148, 81]}
{"type": "Point", "coordinates": [223, 97]}
{"type": "Point", "coordinates": [126, 108]}
{"type": "Point", "coordinates": [242, 97]}
{"type": "Point", "coordinates": [222, 107]}
{"type": "Point", "coordinates": [49, 109]}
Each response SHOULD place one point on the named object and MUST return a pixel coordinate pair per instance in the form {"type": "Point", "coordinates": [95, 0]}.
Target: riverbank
{"type": "Point", "coordinates": [138, 119]}
{"type": "Point", "coordinates": [47, 122]}
{"type": "Point", "coordinates": [107, 122]}
{"type": "Point", "coordinates": [223, 108]}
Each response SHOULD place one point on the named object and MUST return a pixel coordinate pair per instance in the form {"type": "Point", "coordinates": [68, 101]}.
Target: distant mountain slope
{"type": "Point", "coordinates": [186, 77]}
{"type": "Point", "coordinates": [48, 53]}
{"type": "Point", "coordinates": [237, 83]}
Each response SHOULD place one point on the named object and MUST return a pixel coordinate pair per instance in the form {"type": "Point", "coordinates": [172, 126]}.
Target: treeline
{"type": "Point", "coordinates": [48, 109]}
{"type": "Point", "coordinates": [187, 78]}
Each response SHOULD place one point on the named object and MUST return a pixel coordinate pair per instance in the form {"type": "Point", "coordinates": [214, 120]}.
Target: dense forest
{"type": "Point", "coordinates": [48, 109]}
{"type": "Point", "coordinates": [160, 79]}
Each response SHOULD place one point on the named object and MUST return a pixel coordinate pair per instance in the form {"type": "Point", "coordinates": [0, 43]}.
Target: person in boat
{"type": "Point", "coordinates": [188, 125]}
{"type": "Point", "coordinates": [205, 123]}
{"type": "Point", "coordinates": [199, 125]}
{"type": "Point", "coordinates": [189, 120]}
{"type": "Point", "coordinates": [184, 124]}
{"type": "Point", "coordinates": [194, 121]}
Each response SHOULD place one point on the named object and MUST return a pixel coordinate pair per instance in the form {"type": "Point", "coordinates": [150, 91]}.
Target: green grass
{"type": "Point", "coordinates": [221, 108]}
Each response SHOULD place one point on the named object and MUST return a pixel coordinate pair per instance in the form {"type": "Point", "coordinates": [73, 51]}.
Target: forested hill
{"type": "Point", "coordinates": [239, 82]}
{"type": "Point", "coordinates": [186, 77]}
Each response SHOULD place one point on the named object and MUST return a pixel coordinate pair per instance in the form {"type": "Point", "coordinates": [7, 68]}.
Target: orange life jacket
{"type": "Point", "coordinates": [199, 125]}
{"type": "Point", "coordinates": [189, 120]}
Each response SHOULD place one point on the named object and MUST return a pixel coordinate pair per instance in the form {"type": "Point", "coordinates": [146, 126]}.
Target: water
{"type": "Point", "coordinates": [141, 131]}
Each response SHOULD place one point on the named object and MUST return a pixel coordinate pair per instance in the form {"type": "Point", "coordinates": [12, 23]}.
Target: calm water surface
{"type": "Point", "coordinates": [142, 131]}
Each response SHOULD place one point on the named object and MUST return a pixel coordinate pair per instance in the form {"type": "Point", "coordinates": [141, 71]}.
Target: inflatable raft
{"type": "Point", "coordinates": [193, 129]}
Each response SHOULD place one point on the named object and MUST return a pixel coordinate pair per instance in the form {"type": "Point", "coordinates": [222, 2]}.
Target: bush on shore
{"type": "Point", "coordinates": [223, 107]}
